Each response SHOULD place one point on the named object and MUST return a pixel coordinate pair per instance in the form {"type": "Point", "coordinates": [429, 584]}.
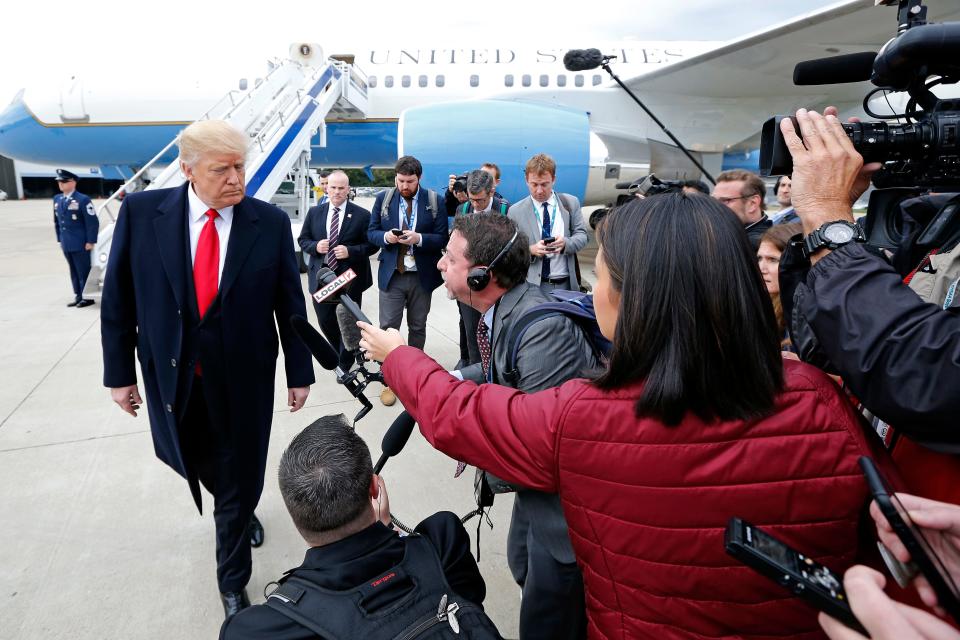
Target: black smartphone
{"type": "Point", "coordinates": [549, 240]}
{"type": "Point", "coordinates": [396, 232]}
{"type": "Point", "coordinates": [922, 554]}
{"type": "Point", "coordinates": [810, 580]}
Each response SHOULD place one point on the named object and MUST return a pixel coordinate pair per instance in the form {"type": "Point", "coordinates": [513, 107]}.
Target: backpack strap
{"type": "Point", "coordinates": [384, 212]}
{"type": "Point", "coordinates": [567, 304]}
{"type": "Point", "coordinates": [432, 199]}
{"type": "Point", "coordinates": [336, 615]}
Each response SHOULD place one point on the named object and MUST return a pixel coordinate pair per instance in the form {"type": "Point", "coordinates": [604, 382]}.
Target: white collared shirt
{"type": "Point", "coordinates": [197, 213]}
{"type": "Point", "coordinates": [340, 217]}
{"type": "Point", "coordinates": [558, 267]}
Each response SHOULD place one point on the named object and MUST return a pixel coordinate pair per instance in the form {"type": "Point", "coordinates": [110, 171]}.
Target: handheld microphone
{"type": "Point", "coordinates": [395, 439]}
{"type": "Point", "coordinates": [330, 290]}
{"type": "Point", "coordinates": [584, 59]}
{"type": "Point", "coordinates": [852, 67]}
{"type": "Point", "coordinates": [329, 360]}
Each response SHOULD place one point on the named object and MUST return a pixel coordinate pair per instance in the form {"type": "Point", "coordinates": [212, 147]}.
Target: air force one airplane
{"type": "Point", "coordinates": [456, 108]}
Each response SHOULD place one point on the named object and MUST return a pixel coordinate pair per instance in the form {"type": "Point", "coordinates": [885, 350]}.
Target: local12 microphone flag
{"type": "Point", "coordinates": [327, 291]}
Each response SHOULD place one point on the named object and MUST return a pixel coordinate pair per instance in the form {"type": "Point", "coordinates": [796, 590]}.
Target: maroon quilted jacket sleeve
{"type": "Point", "coordinates": [501, 430]}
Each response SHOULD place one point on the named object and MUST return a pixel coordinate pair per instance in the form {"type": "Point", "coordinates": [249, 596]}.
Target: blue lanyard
{"type": "Point", "coordinates": [410, 217]}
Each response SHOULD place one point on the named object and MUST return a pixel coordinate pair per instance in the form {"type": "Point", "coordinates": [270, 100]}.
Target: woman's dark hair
{"type": "Point", "coordinates": [695, 323]}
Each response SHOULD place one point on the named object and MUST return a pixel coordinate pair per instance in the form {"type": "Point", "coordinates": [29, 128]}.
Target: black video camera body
{"type": "Point", "coordinates": [919, 154]}
{"type": "Point", "coordinates": [459, 184]}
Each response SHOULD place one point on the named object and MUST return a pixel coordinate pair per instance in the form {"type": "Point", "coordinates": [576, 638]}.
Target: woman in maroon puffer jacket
{"type": "Point", "coordinates": [696, 419]}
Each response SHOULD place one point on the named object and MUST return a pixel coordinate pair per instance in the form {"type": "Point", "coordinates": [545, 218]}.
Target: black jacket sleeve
{"type": "Point", "coordinates": [898, 354]}
{"type": "Point", "coordinates": [452, 542]}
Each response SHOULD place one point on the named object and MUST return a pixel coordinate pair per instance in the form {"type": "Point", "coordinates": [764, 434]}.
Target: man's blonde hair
{"type": "Point", "coordinates": [541, 163]}
{"type": "Point", "coordinates": [210, 136]}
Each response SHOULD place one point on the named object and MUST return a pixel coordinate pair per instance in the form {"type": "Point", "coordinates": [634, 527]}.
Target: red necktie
{"type": "Point", "coordinates": [206, 264]}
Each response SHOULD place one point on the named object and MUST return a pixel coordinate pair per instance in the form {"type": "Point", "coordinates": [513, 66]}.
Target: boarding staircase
{"type": "Point", "coordinates": [280, 114]}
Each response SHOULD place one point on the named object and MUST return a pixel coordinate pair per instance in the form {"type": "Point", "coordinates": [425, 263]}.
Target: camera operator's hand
{"type": "Point", "coordinates": [940, 524]}
{"type": "Point", "coordinates": [453, 178]}
{"type": "Point", "coordinates": [378, 343]}
{"type": "Point", "coordinates": [825, 168]}
{"type": "Point", "coordinates": [862, 181]}
{"type": "Point", "coordinates": [882, 617]}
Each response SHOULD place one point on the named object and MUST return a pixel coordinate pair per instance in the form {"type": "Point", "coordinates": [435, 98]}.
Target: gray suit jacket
{"type": "Point", "coordinates": [551, 352]}
{"type": "Point", "coordinates": [574, 231]}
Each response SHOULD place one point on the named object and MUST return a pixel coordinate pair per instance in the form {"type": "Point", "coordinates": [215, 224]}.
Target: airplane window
{"type": "Point", "coordinates": [544, 80]}
{"type": "Point", "coordinates": [388, 82]}
{"type": "Point", "coordinates": [561, 80]}
{"type": "Point", "coordinates": [508, 80]}
{"type": "Point", "coordinates": [422, 81]}
{"type": "Point", "coordinates": [474, 81]}
{"type": "Point", "coordinates": [525, 80]}
{"type": "Point", "coordinates": [405, 81]}
{"type": "Point", "coordinates": [578, 80]}
{"type": "Point", "coordinates": [597, 79]}
{"type": "Point", "coordinates": [243, 84]}
{"type": "Point", "coordinates": [440, 81]}
{"type": "Point", "coordinates": [371, 81]}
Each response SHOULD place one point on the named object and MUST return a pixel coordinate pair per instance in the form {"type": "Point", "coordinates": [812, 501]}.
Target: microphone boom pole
{"type": "Point", "coordinates": [605, 65]}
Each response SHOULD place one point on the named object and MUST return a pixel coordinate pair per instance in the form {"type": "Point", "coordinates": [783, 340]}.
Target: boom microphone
{"type": "Point", "coordinates": [329, 360]}
{"type": "Point", "coordinates": [330, 290]}
{"type": "Point", "coordinates": [584, 59]}
{"type": "Point", "coordinates": [395, 439]}
{"type": "Point", "coordinates": [851, 67]}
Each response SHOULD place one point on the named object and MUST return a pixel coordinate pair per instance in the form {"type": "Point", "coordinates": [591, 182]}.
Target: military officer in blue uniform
{"type": "Point", "coordinates": [76, 223]}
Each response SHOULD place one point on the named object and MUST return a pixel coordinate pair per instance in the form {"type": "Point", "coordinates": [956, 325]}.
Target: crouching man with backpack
{"type": "Point", "coordinates": [531, 342]}
{"type": "Point", "coordinates": [360, 579]}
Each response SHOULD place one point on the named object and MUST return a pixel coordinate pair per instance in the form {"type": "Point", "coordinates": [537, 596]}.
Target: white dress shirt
{"type": "Point", "coordinates": [340, 216]}
{"type": "Point", "coordinates": [197, 212]}
{"type": "Point", "coordinates": [558, 266]}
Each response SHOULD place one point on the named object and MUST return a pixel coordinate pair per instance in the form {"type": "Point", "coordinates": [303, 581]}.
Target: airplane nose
{"type": "Point", "coordinates": [14, 121]}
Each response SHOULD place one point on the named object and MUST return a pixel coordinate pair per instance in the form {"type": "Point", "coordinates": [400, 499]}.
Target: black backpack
{"type": "Point", "coordinates": [412, 600]}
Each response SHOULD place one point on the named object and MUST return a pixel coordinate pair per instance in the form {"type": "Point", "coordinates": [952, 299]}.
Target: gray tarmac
{"type": "Point", "coordinates": [98, 538]}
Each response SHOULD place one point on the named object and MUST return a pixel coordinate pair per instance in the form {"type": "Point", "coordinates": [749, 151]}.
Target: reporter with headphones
{"type": "Point", "coordinates": [485, 266]}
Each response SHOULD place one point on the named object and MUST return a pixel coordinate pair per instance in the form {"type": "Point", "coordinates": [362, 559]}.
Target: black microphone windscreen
{"type": "Point", "coordinates": [325, 275]}
{"type": "Point", "coordinates": [397, 435]}
{"type": "Point", "coordinates": [316, 343]}
{"type": "Point", "coordinates": [851, 67]}
{"type": "Point", "coordinates": [582, 59]}
{"type": "Point", "coordinates": [349, 330]}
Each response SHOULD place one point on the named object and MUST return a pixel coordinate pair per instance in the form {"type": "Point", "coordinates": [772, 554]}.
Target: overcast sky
{"type": "Point", "coordinates": [47, 42]}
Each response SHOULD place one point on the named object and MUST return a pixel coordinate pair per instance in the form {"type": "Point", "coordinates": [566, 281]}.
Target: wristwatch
{"type": "Point", "coordinates": [832, 235]}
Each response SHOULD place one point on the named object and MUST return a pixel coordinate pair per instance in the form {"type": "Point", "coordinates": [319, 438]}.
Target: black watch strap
{"type": "Point", "coordinates": [821, 238]}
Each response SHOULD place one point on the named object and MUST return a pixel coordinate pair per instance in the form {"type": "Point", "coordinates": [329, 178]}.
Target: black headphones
{"type": "Point", "coordinates": [479, 277]}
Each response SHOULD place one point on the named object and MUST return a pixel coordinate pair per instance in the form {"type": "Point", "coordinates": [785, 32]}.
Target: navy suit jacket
{"type": "Point", "coordinates": [432, 225]}
{"type": "Point", "coordinates": [354, 221]}
{"type": "Point", "coordinates": [75, 221]}
{"type": "Point", "coordinates": [149, 306]}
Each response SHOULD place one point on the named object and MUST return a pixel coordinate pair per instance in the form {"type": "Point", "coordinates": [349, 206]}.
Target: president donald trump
{"type": "Point", "coordinates": [200, 279]}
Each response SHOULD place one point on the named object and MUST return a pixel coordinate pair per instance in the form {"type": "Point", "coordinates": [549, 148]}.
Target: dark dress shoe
{"type": "Point", "coordinates": [256, 532]}
{"type": "Point", "coordinates": [73, 304]}
{"type": "Point", "coordinates": [84, 303]}
{"type": "Point", "coordinates": [234, 602]}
